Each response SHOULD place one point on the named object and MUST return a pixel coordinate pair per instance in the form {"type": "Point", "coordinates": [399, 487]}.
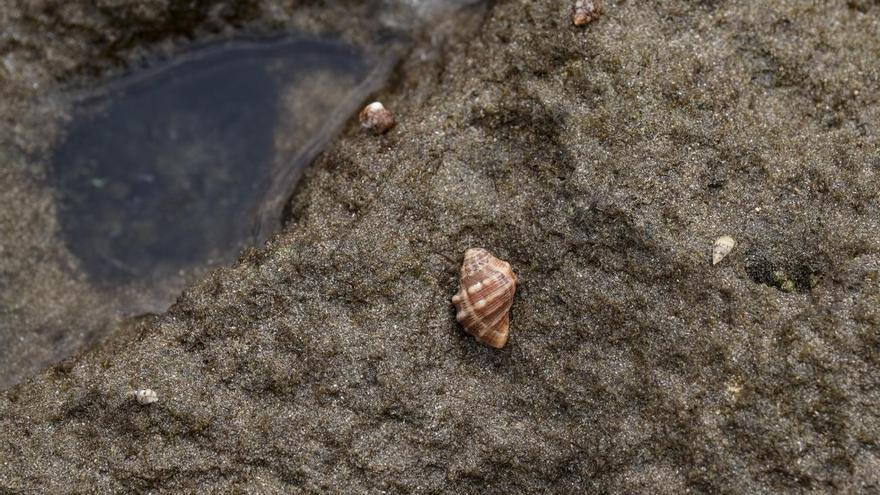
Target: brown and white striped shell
{"type": "Point", "coordinates": [485, 297]}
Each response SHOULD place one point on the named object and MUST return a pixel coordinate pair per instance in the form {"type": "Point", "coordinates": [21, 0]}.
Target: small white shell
{"type": "Point", "coordinates": [377, 118]}
{"type": "Point", "coordinates": [146, 396]}
{"type": "Point", "coordinates": [723, 246]}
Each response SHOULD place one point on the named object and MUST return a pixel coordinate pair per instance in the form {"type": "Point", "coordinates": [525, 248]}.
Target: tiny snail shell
{"type": "Point", "coordinates": [377, 118]}
{"type": "Point", "coordinates": [585, 11]}
{"type": "Point", "coordinates": [146, 396]}
{"type": "Point", "coordinates": [723, 246]}
{"type": "Point", "coordinates": [485, 297]}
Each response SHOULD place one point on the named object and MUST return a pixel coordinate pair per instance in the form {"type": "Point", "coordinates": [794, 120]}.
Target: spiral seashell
{"type": "Point", "coordinates": [585, 11]}
{"type": "Point", "coordinates": [377, 118]}
{"type": "Point", "coordinates": [485, 297]}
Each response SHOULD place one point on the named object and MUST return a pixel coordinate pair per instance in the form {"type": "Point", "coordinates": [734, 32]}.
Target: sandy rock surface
{"type": "Point", "coordinates": [602, 163]}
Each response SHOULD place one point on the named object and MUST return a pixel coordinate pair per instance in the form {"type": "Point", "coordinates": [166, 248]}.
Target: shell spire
{"type": "Point", "coordinates": [485, 297]}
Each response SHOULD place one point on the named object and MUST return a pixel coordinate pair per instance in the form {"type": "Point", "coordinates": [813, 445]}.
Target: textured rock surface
{"type": "Point", "coordinates": [602, 163]}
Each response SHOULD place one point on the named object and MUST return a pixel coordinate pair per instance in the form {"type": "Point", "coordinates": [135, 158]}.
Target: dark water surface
{"type": "Point", "coordinates": [180, 167]}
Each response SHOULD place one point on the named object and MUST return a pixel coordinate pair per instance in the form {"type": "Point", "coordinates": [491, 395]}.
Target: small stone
{"type": "Point", "coordinates": [586, 11]}
{"type": "Point", "coordinates": [146, 396]}
{"type": "Point", "coordinates": [723, 246]}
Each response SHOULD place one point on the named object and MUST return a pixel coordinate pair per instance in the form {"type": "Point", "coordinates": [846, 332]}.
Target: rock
{"type": "Point", "coordinates": [596, 162]}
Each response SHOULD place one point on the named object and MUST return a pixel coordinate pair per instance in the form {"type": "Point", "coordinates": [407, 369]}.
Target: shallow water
{"type": "Point", "coordinates": [171, 171]}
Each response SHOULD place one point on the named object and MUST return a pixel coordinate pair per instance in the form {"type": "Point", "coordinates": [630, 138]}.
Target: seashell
{"type": "Point", "coordinates": [485, 297]}
{"type": "Point", "coordinates": [585, 11]}
{"type": "Point", "coordinates": [146, 396]}
{"type": "Point", "coordinates": [723, 246]}
{"type": "Point", "coordinates": [377, 118]}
